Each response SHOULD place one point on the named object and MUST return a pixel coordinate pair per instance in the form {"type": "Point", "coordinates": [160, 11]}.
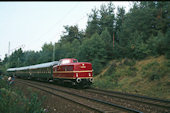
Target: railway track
{"type": "Point", "coordinates": [84, 100]}
{"type": "Point", "coordinates": [140, 103]}
{"type": "Point", "coordinates": [147, 104]}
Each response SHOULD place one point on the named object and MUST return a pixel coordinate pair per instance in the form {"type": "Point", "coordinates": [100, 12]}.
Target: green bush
{"type": "Point", "coordinates": [167, 63]}
{"type": "Point", "coordinates": [110, 70]}
{"type": "Point", "coordinates": [154, 76]}
{"type": "Point", "coordinates": [129, 62]}
{"type": "Point", "coordinates": [150, 70]}
{"type": "Point", "coordinates": [3, 84]}
{"type": "Point", "coordinates": [12, 100]}
{"type": "Point", "coordinates": [104, 83]}
{"type": "Point", "coordinates": [132, 71]}
{"type": "Point", "coordinates": [167, 54]}
{"type": "Point", "coordinates": [166, 44]}
{"type": "Point", "coordinates": [150, 65]}
{"type": "Point", "coordinates": [33, 104]}
{"type": "Point", "coordinates": [155, 71]}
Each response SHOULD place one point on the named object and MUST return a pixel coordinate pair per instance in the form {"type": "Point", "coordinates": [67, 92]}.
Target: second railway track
{"type": "Point", "coordinates": [154, 104]}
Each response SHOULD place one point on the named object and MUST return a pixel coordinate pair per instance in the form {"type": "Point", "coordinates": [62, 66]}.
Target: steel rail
{"type": "Point", "coordinates": [139, 96]}
{"type": "Point", "coordinates": [96, 100]}
{"type": "Point", "coordinates": [62, 97]}
{"type": "Point", "coordinates": [134, 100]}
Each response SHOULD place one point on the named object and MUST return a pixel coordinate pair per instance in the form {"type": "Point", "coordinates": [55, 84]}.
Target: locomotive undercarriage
{"type": "Point", "coordinates": [82, 82]}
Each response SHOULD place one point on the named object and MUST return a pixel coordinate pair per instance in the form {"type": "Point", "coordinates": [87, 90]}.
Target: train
{"type": "Point", "coordinates": [66, 70]}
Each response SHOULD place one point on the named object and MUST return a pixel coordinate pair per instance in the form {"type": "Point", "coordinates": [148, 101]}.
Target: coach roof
{"type": "Point", "coordinates": [43, 65]}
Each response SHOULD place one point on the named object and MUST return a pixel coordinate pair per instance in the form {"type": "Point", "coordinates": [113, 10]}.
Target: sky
{"type": "Point", "coordinates": [31, 24]}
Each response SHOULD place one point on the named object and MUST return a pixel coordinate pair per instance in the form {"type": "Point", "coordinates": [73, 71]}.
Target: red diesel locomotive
{"type": "Point", "coordinates": [65, 70]}
{"type": "Point", "coordinates": [70, 69]}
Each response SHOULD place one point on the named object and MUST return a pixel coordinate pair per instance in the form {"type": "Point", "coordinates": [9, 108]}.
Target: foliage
{"type": "Point", "coordinates": [92, 24]}
{"type": "Point", "coordinates": [92, 50]}
{"type": "Point", "coordinates": [155, 71]}
{"type": "Point", "coordinates": [104, 83]}
{"type": "Point", "coordinates": [148, 77]}
{"type": "Point", "coordinates": [97, 66]}
{"type": "Point", "coordinates": [16, 58]}
{"type": "Point", "coordinates": [13, 101]}
{"type": "Point", "coordinates": [119, 21]}
{"type": "Point", "coordinates": [129, 62]}
{"type": "Point", "coordinates": [108, 45]}
{"type": "Point", "coordinates": [110, 70]}
{"type": "Point", "coordinates": [107, 18]}
{"type": "Point", "coordinates": [166, 44]}
{"type": "Point", "coordinates": [71, 33]}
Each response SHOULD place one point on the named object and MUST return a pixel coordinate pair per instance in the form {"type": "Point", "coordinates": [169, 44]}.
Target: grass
{"type": "Point", "coordinates": [149, 77]}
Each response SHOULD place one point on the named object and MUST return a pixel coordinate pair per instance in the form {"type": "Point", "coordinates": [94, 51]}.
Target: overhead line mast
{"type": "Point", "coordinates": [54, 52]}
{"type": "Point", "coordinates": [9, 49]}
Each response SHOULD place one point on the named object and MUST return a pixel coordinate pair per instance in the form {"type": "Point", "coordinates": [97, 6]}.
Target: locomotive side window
{"type": "Point", "coordinates": [75, 61]}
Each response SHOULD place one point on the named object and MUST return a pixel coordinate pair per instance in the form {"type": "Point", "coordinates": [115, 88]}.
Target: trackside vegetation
{"type": "Point", "coordinates": [12, 100]}
{"type": "Point", "coordinates": [149, 77]}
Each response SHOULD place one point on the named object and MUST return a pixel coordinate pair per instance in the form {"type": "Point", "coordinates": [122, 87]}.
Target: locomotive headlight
{"type": "Point", "coordinates": [76, 74]}
{"type": "Point", "coordinates": [89, 74]}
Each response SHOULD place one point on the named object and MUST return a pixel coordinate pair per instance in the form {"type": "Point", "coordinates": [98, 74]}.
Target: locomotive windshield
{"type": "Point", "coordinates": [66, 61]}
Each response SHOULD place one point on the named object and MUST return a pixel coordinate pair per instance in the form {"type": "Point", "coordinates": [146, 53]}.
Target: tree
{"type": "Point", "coordinates": [120, 17]}
{"type": "Point", "coordinates": [31, 58]}
{"type": "Point", "coordinates": [93, 49]}
{"type": "Point", "coordinates": [71, 33]}
{"type": "Point", "coordinates": [74, 48]}
{"type": "Point", "coordinates": [108, 43]}
{"type": "Point", "coordinates": [107, 19]}
{"type": "Point", "coordinates": [92, 24]}
{"type": "Point", "coordinates": [46, 54]}
{"type": "Point", "coordinates": [5, 59]}
{"type": "Point", "coordinates": [137, 48]}
{"type": "Point", "coordinates": [16, 58]}
{"type": "Point", "coordinates": [167, 43]}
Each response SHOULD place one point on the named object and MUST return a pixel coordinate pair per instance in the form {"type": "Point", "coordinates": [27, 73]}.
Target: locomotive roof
{"type": "Point", "coordinates": [43, 65]}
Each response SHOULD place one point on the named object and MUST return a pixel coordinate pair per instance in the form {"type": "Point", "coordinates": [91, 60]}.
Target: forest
{"type": "Point", "coordinates": [141, 32]}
